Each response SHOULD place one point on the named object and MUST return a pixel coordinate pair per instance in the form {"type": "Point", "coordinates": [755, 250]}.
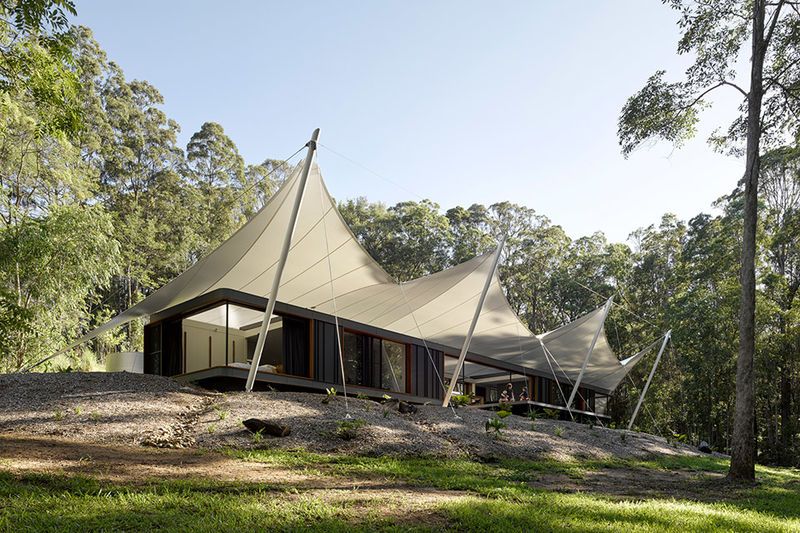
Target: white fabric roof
{"type": "Point", "coordinates": [437, 308]}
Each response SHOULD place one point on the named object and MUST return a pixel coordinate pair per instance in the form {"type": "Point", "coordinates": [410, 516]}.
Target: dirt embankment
{"type": "Point", "coordinates": [121, 408]}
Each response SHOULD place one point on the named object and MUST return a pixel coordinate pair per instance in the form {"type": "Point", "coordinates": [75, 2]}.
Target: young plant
{"type": "Point", "coordinates": [460, 400]}
{"type": "Point", "coordinates": [495, 426]}
{"type": "Point", "coordinates": [552, 414]}
{"type": "Point", "coordinates": [349, 429]}
{"type": "Point", "coordinates": [78, 410]}
{"type": "Point", "coordinates": [362, 396]}
{"type": "Point", "coordinates": [222, 414]}
{"type": "Point", "coordinates": [58, 415]}
{"type": "Point", "coordinates": [95, 416]}
{"type": "Point", "coordinates": [212, 428]}
{"type": "Point", "coordinates": [533, 415]}
{"type": "Point", "coordinates": [331, 394]}
{"type": "Point", "coordinates": [558, 431]}
{"type": "Point", "coordinates": [257, 437]}
{"type": "Point", "coordinates": [503, 414]}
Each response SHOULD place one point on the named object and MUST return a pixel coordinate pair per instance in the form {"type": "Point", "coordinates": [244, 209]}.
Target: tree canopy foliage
{"type": "Point", "coordinates": [100, 206]}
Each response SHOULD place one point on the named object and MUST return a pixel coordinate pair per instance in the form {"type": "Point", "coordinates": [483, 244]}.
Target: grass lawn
{"type": "Point", "coordinates": [387, 494]}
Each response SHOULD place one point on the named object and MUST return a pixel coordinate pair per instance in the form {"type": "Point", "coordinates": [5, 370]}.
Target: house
{"type": "Point", "coordinates": [401, 339]}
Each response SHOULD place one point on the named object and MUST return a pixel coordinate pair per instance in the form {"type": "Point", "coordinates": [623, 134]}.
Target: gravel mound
{"type": "Point", "coordinates": [155, 411]}
{"type": "Point", "coordinates": [95, 406]}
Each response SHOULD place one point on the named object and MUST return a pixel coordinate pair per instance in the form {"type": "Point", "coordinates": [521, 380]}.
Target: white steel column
{"type": "Point", "coordinates": [276, 281]}
{"type": "Point", "coordinates": [465, 348]}
{"type": "Point", "coordinates": [606, 309]}
{"type": "Point", "coordinates": [649, 378]}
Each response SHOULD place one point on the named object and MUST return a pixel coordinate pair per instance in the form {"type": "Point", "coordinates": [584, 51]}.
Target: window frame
{"type": "Point", "coordinates": [368, 366]}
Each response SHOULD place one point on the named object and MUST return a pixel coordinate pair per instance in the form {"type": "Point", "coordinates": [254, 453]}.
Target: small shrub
{"type": "Point", "coordinates": [95, 416]}
{"type": "Point", "coordinates": [348, 429]}
{"type": "Point", "coordinates": [331, 394]}
{"type": "Point", "coordinates": [460, 400]}
{"type": "Point", "coordinates": [558, 431]}
{"type": "Point", "coordinates": [222, 414]}
{"type": "Point", "coordinates": [533, 415]}
{"type": "Point", "coordinates": [58, 415]}
{"type": "Point", "coordinates": [504, 406]}
{"type": "Point", "coordinates": [495, 426]}
{"type": "Point", "coordinates": [552, 414]}
{"type": "Point", "coordinates": [362, 396]}
{"type": "Point", "coordinates": [212, 428]}
{"type": "Point", "coordinates": [503, 414]}
{"type": "Point", "coordinates": [78, 410]}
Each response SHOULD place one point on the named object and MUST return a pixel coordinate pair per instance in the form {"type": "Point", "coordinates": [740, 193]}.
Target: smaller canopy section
{"type": "Point", "coordinates": [563, 350]}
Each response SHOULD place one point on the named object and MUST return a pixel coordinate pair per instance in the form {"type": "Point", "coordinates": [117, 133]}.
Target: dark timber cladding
{"type": "Point", "coordinates": [373, 356]}
{"type": "Point", "coordinates": [427, 372]}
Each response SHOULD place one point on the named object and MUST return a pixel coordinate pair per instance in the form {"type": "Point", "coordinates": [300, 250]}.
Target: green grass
{"type": "Point", "coordinates": [497, 496]}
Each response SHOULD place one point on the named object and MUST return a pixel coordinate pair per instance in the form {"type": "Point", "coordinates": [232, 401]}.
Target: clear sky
{"type": "Point", "coordinates": [459, 101]}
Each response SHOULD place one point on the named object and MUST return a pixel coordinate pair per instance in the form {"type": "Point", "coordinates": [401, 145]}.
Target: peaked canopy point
{"type": "Point", "coordinates": [326, 263]}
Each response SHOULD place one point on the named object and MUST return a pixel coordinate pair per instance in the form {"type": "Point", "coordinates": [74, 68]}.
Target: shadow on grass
{"type": "Point", "coordinates": [662, 480]}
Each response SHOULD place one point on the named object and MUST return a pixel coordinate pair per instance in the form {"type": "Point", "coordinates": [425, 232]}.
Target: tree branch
{"type": "Point", "coordinates": [772, 23]}
{"type": "Point", "coordinates": [717, 86]}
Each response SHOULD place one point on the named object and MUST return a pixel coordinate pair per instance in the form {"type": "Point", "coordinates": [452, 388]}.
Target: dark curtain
{"type": "Point", "coordinates": [152, 349]}
{"type": "Point", "coordinates": [295, 346]}
{"type": "Point", "coordinates": [172, 354]}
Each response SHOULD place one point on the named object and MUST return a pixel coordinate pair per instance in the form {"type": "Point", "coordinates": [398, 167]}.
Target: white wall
{"type": "Point", "coordinates": [197, 346]}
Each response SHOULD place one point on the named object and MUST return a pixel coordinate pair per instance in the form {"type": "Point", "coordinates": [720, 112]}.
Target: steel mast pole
{"type": "Point", "coordinates": [649, 378]}
{"type": "Point", "coordinates": [287, 242]}
{"type": "Point", "coordinates": [606, 309]}
{"type": "Point", "coordinates": [465, 348]}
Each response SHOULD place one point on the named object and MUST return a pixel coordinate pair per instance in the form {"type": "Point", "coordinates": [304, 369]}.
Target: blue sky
{"type": "Point", "coordinates": [461, 102]}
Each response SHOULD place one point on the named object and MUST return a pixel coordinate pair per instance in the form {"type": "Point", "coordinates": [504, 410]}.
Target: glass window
{"type": "Point", "coordinates": [353, 355]}
{"type": "Point", "coordinates": [393, 366]}
{"type": "Point", "coordinates": [373, 362]}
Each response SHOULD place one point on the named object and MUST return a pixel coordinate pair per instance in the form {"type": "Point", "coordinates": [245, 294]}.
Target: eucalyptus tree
{"type": "Point", "coordinates": [264, 179]}
{"type": "Point", "coordinates": [369, 223]}
{"type": "Point", "coordinates": [418, 241]}
{"type": "Point", "coordinates": [471, 229]}
{"type": "Point", "coordinates": [780, 191]}
{"type": "Point", "coordinates": [223, 199]}
{"type": "Point", "coordinates": [718, 33]}
{"type": "Point", "coordinates": [131, 150]}
{"type": "Point", "coordinates": [57, 250]}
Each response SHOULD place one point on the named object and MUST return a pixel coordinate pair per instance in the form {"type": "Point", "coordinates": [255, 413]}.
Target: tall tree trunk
{"type": "Point", "coordinates": [787, 429]}
{"type": "Point", "coordinates": [743, 449]}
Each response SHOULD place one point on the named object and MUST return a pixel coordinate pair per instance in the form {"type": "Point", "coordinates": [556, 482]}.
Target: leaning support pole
{"type": "Point", "coordinates": [276, 281]}
{"type": "Point", "coordinates": [465, 348]}
{"type": "Point", "coordinates": [606, 309]}
{"type": "Point", "coordinates": [649, 378]}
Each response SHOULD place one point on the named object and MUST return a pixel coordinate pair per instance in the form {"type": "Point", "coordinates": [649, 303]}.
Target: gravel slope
{"type": "Point", "coordinates": [151, 410]}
